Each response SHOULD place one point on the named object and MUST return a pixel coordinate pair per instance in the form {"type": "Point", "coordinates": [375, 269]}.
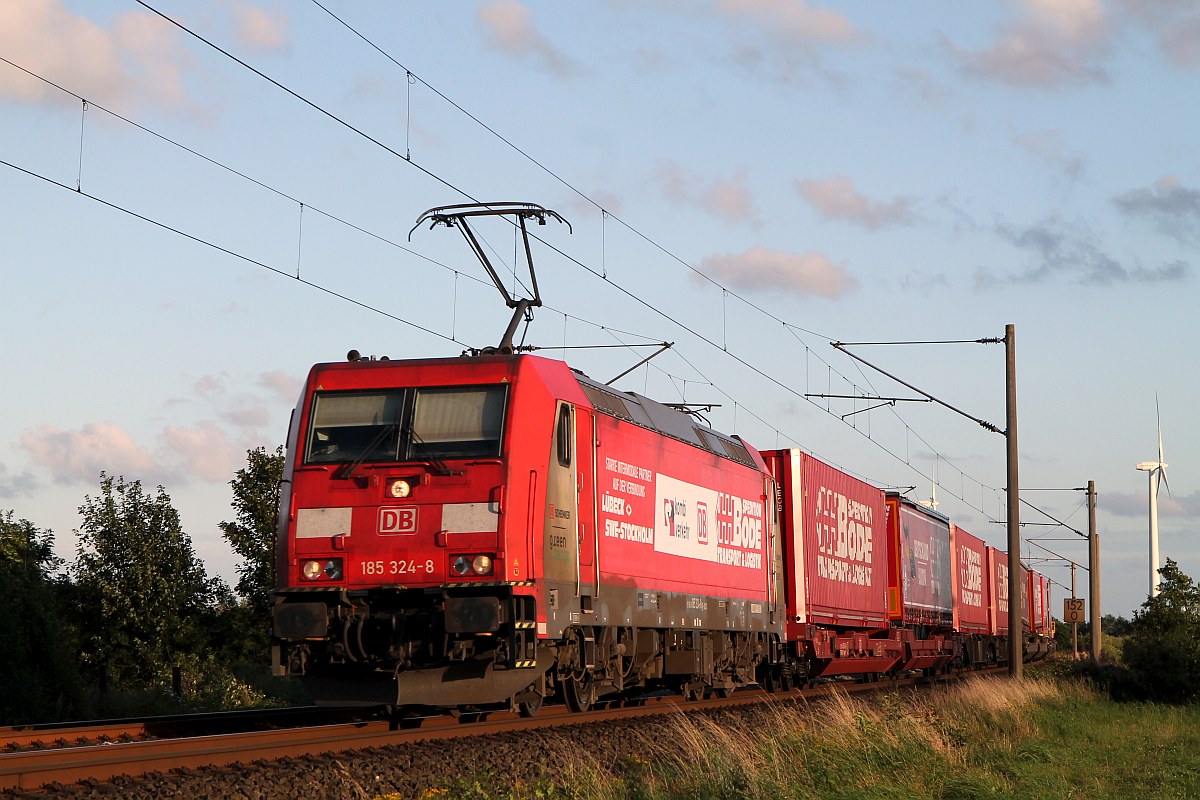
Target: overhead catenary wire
{"type": "Point", "coordinates": [603, 273]}
{"type": "Point", "coordinates": [602, 276]}
{"type": "Point", "coordinates": [229, 252]}
{"type": "Point", "coordinates": [605, 213]}
{"type": "Point", "coordinates": [291, 198]}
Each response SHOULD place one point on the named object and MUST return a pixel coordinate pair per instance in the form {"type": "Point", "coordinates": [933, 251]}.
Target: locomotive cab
{"type": "Point", "coordinates": [485, 530]}
{"type": "Point", "coordinates": [394, 552]}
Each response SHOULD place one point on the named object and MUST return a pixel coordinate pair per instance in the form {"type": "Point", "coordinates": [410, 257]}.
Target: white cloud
{"type": "Point", "coordinates": [1175, 26]}
{"type": "Point", "coordinates": [836, 198]}
{"type": "Point", "coordinates": [210, 386]}
{"type": "Point", "coordinates": [260, 29]}
{"type": "Point", "coordinates": [1172, 207]}
{"type": "Point", "coordinates": [281, 385]}
{"type": "Point", "coordinates": [1051, 44]}
{"type": "Point", "coordinates": [1135, 504]}
{"type": "Point", "coordinates": [80, 456]}
{"type": "Point", "coordinates": [137, 61]}
{"type": "Point", "coordinates": [202, 452]}
{"type": "Point", "coordinates": [577, 208]}
{"type": "Point", "coordinates": [1048, 147]}
{"type": "Point", "coordinates": [16, 485]}
{"type": "Point", "coordinates": [762, 268]}
{"type": "Point", "coordinates": [728, 199]}
{"type": "Point", "coordinates": [508, 27]}
{"type": "Point", "coordinates": [783, 41]}
{"type": "Point", "coordinates": [248, 404]}
{"type": "Point", "coordinates": [250, 418]}
{"type": "Point", "coordinates": [1062, 248]}
{"type": "Point", "coordinates": [181, 455]}
{"type": "Point", "coordinates": [793, 21]}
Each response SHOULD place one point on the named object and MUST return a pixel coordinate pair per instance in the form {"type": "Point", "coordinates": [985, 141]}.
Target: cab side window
{"type": "Point", "coordinates": [564, 435]}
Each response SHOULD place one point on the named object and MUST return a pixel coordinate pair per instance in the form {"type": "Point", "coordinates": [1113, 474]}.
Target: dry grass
{"type": "Point", "coordinates": [882, 745]}
{"type": "Point", "coordinates": [975, 739]}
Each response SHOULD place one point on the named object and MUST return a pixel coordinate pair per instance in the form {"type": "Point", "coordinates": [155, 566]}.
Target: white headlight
{"type": "Point", "coordinates": [482, 565]}
{"type": "Point", "coordinates": [312, 570]}
{"type": "Point", "coordinates": [400, 489]}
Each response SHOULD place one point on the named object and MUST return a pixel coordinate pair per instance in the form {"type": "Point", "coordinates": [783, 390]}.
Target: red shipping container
{"type": "Point", "coordinates": [1039, 601]}
{"type": "Point", "coordinates": [920, 589]}
{"type": "Point", "coordinates": [970, 579]}
{"type": "Point", "coordinates": [834, 555]}
{"type": "Point", "coordinates": [1026, 600]}
{"type": "Point", "coordinates": [998, 590]}
{"type": "Point", "coordinates": [1047, 624]}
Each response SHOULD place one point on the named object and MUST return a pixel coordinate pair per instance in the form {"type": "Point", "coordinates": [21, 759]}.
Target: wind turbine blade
{"type": "Point", "coordinates": [1158, 416]}
{"type": "Point", "coordinates": [1162, 473]}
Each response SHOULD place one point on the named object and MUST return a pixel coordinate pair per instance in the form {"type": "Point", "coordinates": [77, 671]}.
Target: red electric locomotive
{"type": "Point", "coordinates": [473, 530]}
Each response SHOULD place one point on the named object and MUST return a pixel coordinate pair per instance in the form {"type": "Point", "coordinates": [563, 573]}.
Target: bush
{"type": "Point", "coordinates": [1162, 650]}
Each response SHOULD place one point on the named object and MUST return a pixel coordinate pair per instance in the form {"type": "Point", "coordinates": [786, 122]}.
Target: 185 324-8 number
{"type": "Point", "coordinates": [382, 567]}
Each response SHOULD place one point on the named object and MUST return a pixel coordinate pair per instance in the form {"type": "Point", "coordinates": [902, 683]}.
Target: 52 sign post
{"type": "Point", "coordinates": [1074, 613]}
{"type": "Point", "coordinates": [1074, 610]}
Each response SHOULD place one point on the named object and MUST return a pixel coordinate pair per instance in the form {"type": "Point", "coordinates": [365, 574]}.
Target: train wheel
{"type": "Point", "coordinates": [578, 691]}
{"type": "Point", "coordinates": [529, 702]}
{"type": "Point", "coordinates": [530, 707]}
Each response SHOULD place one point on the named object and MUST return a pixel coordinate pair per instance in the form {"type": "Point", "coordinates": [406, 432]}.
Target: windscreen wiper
{"type": "Point", "coordinates": [347, 470]}
{"type": "Point", "coordinates": [439, 467]}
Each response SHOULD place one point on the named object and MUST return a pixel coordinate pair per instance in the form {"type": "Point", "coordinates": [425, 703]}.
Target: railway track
{"type": "Point", "coordinates": [52, 757]}
{"type": "Point", "coordinates": [75, 734]}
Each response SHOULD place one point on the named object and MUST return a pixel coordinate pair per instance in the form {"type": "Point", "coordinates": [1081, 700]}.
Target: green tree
{"type": "Point", "coordinates": [1110, 625]}
{"type": "Point", "coordinates": [252, 534]}
{"type": "Point", "coordinates": [1162, 650]}
{"type": "Point", "coordinates": [1115, 626]}
{"type": "Point", "coordinates": [144, 596]}
{"type": "Point", "coordinates": [38, 673]}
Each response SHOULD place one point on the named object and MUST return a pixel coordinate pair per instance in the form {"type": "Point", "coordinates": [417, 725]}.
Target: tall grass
{"type": "Point", "coordinates": [976, 739]}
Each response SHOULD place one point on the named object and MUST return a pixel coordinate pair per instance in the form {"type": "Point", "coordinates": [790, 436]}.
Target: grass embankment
{"type": "Point", "coordinates": [1041, 738]}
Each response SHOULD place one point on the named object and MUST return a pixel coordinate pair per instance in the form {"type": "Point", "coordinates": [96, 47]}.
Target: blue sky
{"type": "Point", "coordinates": [745, 178]}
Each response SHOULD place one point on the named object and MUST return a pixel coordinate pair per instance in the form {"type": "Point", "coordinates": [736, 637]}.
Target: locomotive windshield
{"type": "Point", "coordinates": [406, 425]}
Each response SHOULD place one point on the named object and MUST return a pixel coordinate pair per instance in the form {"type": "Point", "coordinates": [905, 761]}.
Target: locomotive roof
{"type": "Point", "coordinates": [663, 419]}
{"type": "Point", "coordinates": [628, 406]}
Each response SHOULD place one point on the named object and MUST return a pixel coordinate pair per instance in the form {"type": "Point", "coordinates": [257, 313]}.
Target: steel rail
{"type": "Point", "coordinates": [65, 734]}
{"type": "Point", "coordinates": [31, 770]}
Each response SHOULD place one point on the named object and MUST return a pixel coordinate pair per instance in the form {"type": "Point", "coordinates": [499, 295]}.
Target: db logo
{"type": "Point", "coordinates": [397, 520]}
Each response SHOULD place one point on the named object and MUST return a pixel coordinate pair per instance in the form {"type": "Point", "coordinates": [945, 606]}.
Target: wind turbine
{"type": "Point", "coordinates": [1156, 471]}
